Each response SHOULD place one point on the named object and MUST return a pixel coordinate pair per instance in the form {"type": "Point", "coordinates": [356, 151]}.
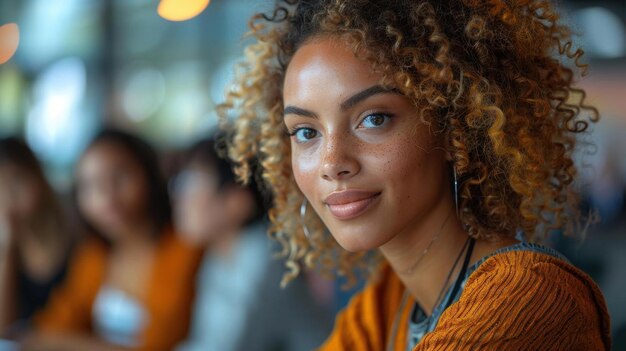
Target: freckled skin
{"type": "Point", "coordinates": [406, 165]}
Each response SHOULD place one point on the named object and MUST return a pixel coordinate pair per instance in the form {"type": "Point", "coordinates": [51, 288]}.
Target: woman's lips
{"type": "Point", "coordinates": [350, 203]}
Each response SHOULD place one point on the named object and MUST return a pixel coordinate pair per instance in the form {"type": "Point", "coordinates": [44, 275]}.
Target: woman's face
{"type": "Point", "coordinates": [20, 193]}
{"type": "Point", "coordinates": [199, 211]}
{"type": "Point", "coordinates": [112, 189]}
{"type": "Point", "coordinates": [359, 154]}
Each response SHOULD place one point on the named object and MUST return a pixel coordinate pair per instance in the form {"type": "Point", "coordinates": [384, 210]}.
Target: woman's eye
{"type": "Point", "coordinates": [304, 134]}
{"type": "Point", "coordinates": [374, 120]}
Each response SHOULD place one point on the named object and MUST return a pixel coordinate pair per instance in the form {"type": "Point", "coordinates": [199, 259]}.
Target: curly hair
{"type": "Point", "coordinates": [494, 78]}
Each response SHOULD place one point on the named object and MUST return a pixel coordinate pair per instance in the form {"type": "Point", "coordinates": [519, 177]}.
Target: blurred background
{"type": "Point", "coordinates": [84, 63]}
{"type": "Point", "coordinates": [68, 68]}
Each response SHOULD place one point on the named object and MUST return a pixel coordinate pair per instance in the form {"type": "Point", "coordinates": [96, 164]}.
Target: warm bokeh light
{"type": "Point", "coordinates": [9, 39]}
{"type": "Point", "coordinates": [181, 10]}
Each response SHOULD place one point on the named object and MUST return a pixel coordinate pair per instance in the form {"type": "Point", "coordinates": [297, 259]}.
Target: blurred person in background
{"type": "Point", "coordinates": [34, 237]}
{"type": "Point", "coordinates": [239, 305]}
{"type": "Point", "coordinates": [130, 285]}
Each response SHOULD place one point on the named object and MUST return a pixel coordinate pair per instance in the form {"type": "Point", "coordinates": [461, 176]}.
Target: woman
{"type": "Point", "coordinates": [134, 277]}
{"type": "Point", "coordinates": [435, 133]}
{"type": "Point", "coordinates": [238, 301]}
{"type": "Point", "coordinates": [34, 238]}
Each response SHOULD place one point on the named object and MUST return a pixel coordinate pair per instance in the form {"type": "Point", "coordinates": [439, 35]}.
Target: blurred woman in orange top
{"type": "Point", "coordinates": [130, 284]}
{"type": "Point", "coordinates": [426, 140]}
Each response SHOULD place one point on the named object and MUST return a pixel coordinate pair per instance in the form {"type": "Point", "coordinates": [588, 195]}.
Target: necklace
{"type": "Point", "coordinates": [409, 270]}
{"type": "Point", "coordinates": [457, 285]}
{"type": "Point", "coordinates": [445, 283]}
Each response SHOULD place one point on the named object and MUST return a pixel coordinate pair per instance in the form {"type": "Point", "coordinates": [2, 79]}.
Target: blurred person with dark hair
{"type": "Point", "coordinates": [34, 236]}
{"type": "Point", "coordinates": [239, 305]}
{"type": "Point", "coordinates": [130, 285]}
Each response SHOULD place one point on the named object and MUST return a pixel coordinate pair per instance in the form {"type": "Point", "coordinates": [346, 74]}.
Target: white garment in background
{"type": "Point", "coordinates": [118, 318]}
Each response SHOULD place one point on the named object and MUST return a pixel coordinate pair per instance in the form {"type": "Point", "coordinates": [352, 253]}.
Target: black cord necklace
{"type": "Point", "coordinates": [457, 282]}
{"type": "Point", "coordinates": [455, 289]}
{"type": "Point", "coordinates": [445, 284]}
{"type": "Point", "coordinates": [461, 276]}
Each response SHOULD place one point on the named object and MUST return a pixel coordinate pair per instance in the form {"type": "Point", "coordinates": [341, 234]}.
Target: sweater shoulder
{"type": "Point", "coordinates": [522, 293]}
{"type": "Point", "coordinates": [536, 273]}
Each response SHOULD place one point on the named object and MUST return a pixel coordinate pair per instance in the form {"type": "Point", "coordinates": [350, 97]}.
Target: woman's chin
{"type": "Point", "coordinates": [357, 242]}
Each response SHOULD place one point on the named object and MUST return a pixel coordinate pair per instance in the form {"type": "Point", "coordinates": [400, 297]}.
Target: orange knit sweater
{"type": "Point", "coordinates": [168, 297]}
{"type": "Point", "coordinates": [517, 300]}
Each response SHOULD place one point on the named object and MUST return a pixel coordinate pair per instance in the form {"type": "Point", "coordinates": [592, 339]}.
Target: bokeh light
{"type": "Point", "coordinates": [143, 94]}
{"type": "Point", "coordinates": [50, 30]}
{"type": "Point", "coordinates": [9, 40]}
{"type": "Point", "coordinates": [57, 123]}
{"type": "Point", "coordinates": [181, 10]}
{"type": "Point", "coordinates": [12, 95]}
{"type": "Point", "coordinates": [604, 34]}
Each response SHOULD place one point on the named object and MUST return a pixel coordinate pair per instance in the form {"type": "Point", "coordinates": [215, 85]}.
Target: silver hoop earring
{"type": "Point", "coordinates": [302, 215]}
{"type": "Point", "coordinates": [456, 191]}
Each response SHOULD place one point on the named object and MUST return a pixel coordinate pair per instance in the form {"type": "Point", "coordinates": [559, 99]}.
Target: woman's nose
{"type": "Point", "coordinates": [339, 159]}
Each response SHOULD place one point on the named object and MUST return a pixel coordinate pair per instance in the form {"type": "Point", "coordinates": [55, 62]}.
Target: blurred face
{"type": "Point", "coordinates": [200, 211]}
{"type": "Point", "coordinates": [112, 189]}
{"type": "Point", "coordinates": [20, 192]}
{"type": "Point", "coordinates": [359, 153]}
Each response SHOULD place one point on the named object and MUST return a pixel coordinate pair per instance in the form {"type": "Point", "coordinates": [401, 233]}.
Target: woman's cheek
{"type": "Point", "coordinates": [305, 166]}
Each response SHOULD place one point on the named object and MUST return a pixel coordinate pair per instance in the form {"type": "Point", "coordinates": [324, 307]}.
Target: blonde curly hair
{"type": "Point", "coordinates": [490, 76]}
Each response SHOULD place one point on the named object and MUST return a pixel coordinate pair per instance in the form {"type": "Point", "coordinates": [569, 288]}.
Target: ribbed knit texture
{"type": "Point", "coordinates": [518, 300]}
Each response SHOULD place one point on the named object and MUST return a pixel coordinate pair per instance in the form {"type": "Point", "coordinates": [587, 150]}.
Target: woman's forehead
{"type": "Point", "coordinates": [326, 65]}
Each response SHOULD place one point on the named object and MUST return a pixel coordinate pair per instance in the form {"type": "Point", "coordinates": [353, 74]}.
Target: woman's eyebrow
{"type": "Point", "coordinates": [293, 110]}
{"type": "Point", "coordinates": [347, 104]}
{"type": "Point", "coordinates": [364, 94]}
